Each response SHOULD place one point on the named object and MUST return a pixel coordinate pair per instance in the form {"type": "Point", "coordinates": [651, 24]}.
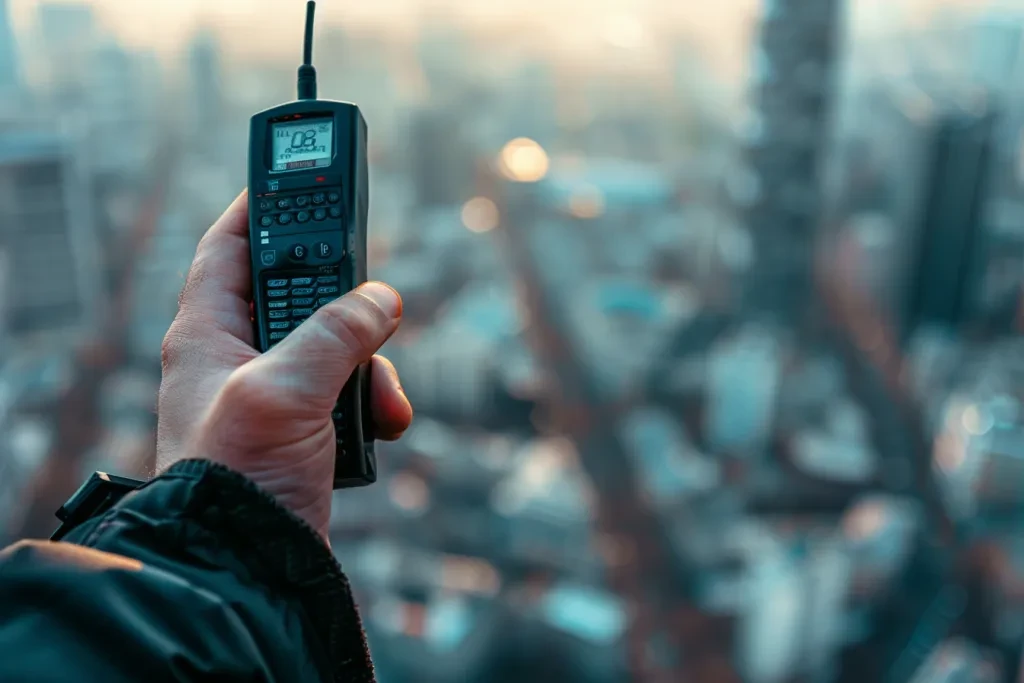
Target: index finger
{"type": "Point", "coordinates": [219, 279]}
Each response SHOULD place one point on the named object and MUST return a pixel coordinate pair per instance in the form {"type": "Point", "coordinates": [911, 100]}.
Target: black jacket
{"type": "Point", "coordinates": [196, 576]}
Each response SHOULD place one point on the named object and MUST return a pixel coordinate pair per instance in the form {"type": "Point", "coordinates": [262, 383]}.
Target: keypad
{"type": "Point", "coordinates": [291, 300]}
{"type": "Point", "coordinates": [297, 207]}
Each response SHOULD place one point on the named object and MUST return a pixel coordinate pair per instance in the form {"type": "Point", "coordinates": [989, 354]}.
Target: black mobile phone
{"type": "Point", "coordinates": [308, 207]}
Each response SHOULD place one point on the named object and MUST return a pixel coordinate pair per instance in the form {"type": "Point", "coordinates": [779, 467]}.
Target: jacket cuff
{"type": "Point", "coordinates": [277, 548]}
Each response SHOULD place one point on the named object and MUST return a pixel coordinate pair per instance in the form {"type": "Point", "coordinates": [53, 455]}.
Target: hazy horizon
{"type": "Point", "coordinates": [161, 24]}
{"type": "Point", "coordinates": [559, 28]}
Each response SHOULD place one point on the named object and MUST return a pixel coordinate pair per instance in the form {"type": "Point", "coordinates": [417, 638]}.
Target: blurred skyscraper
{"type": "Point", "coordinates": [743, 376]}
{"type": "Point", "coordinates": [9, 76]}
{"type": "Point", "coordinates": [794, 75]}
{"type": "Point", "coordinates": [443, 55]}
{"type": "Point", "coordinates": [442, 163]}
{"type": "Point", "coordinates": [997, 50]}
{"type": "Point", "coordinates": [206, 82]}
{"type": "Point", "coordinates": [115, 128]}
{"type": "Point", "coordinates": [950, 239]}
{"type": "Point", "coordinates": [66, 35]}
{"type": "Point", "coordinates": [48, 238]}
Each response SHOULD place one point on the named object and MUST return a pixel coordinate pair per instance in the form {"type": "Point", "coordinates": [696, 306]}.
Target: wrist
{"type": "Point", "coordinates": [297, 480]}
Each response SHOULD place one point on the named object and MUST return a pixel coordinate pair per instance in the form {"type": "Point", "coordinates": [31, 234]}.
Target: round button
{"type": "Point", "coordinates": [319, 198]}
{"type": "Point", "coordinates": [302, 216]}
{"type": "Point", "coordinates": [333, 197]}
{"type": "Point", "coordinates": [284, 203]}
{"type": "Point", "coordinates": [284, 218]}
{"type": "Point", "coordinates": [297, 252]}
{"type": "Point", "coordinates": [335, 212]}
{"type": "Point", "coordinates": [301, 201]}
{"type": "Point", "coordinates": [319, 215]}
{"type": "Point", "coordinates": [266, 221]}
{"type": "Point", "coordinates": [265, 205]}
{"type": "Point", "coordinates": [322, 250]}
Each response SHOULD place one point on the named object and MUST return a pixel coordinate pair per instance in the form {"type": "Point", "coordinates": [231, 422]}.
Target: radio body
{"type": "Point", "coordinates": [308, 209]}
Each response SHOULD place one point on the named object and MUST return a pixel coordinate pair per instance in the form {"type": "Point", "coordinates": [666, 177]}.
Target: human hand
{"type": "Point", "coordinates": [268, 416]}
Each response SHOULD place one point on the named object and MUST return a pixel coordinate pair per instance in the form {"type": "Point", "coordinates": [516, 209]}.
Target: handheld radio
{"type": "Point", "coordinates": [308, 205]}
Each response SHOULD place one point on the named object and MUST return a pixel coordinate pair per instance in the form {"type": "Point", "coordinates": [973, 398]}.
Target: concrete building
{"type": "Point", "coordinates": [794, 72]}
{"type": "Point", "coordinates": [743, 378]}
{"type": "Point", "coordinates": [47, 238]}
{"type": "Point", "coordinates": [9, 70]}
{"type": "Point", "coordinates": [64, 38]}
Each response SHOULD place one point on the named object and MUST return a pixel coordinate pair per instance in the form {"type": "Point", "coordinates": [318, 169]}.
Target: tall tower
{"type": "Point", "coordinates": [48, 238]}
{"type": "Point", "coordinates": [8, 58]}
{"type": "Point", "coordinates": [206, 82]}
{"type": "Point", "coordinates": [794, 75]}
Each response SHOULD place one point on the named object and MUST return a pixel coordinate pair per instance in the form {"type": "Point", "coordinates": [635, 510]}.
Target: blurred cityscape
{"type": "Point", "coordinates": [717, 362]}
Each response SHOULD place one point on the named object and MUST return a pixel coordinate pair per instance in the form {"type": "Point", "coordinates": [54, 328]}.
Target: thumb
{"type": "Point", "coordinates": [313, 363]}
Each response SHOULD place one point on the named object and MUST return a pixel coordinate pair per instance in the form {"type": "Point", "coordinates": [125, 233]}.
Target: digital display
{"type": "Point", "coordinates": [302, 144]}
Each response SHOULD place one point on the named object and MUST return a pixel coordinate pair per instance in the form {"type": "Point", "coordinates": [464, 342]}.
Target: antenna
{"type": "Point", "coordinates": [307, 74]}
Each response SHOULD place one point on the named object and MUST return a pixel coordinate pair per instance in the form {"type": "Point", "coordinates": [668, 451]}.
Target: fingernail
{"type": "Point", "coordinates": [382, 295]}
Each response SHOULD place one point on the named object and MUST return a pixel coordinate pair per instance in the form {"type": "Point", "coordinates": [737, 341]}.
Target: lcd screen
{"type": "Point", "coordinates": [302, 144]}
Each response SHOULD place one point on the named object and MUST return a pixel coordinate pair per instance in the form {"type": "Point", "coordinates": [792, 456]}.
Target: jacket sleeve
{"type": "Point", "coordinates": [196, 576]}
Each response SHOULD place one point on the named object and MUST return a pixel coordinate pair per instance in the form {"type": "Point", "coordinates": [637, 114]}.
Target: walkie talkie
{"type": "Point", "coordinates": [308, 205]}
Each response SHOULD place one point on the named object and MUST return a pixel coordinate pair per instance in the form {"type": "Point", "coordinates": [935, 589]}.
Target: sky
{"type": "Point", "coordinates": [274, 27]}
{"type": "Point", "coordinates": [164, 24]}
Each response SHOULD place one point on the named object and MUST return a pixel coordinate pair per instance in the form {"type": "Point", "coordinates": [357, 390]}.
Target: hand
{"type": "Point", "coordinates": [268, 416]}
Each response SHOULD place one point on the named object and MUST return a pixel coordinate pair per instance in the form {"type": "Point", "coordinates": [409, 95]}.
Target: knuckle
{"type": "Point", "coordinates": [197, 275]}
{"type": "Point", "coordinates": [184, 343]}
{"type": "Point", "coordinates": [204, 241]}
{"type": "Point", "coordinates": [356, 326]}
{"type": "Point", "coordinates": [173, 348]}
{"type": "Point", "coordinates": [240, 387]}
{"type": "Point", "coordinates": [247, 393]}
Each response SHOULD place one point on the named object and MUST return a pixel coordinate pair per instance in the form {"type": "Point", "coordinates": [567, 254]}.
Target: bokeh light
{"type": "Point", "coordinates": [587, 202]}
{"type": "Point", "coordinates": [480, 214]}
{"type": "Point", "coordinates": [409, 492]}
{"type": "Point", "coordinates": [524, 161]}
